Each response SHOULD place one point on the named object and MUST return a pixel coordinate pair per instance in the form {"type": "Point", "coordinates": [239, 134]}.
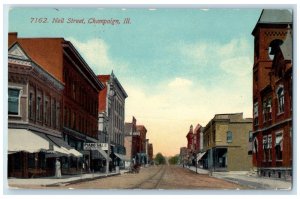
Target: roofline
{"type": "Point", "coordinates": [266, 23]}
{"type": "Point", "coordinates": [120, 86]}
{"type": "Point", "coordinates": [89, 70]}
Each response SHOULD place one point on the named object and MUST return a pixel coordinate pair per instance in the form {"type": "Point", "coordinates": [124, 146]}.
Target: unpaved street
{"type": "Point", "coordinates": [157, 177]}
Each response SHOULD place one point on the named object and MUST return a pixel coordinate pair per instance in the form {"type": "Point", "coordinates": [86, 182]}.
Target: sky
{"type": "Point", "coordinates": [179, 66]}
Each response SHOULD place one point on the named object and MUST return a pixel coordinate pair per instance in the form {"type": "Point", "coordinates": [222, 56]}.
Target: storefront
{"type": "Point", "coordinates": [32, 154]}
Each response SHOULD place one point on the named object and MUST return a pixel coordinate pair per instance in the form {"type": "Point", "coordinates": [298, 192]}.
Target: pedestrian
{"type": "Point", "coordinates": [57, 169]}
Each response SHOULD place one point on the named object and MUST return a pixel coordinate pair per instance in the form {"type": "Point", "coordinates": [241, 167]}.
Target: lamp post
{"type": "Point", "coordinates": [196, 162]}
{"type": "Point", "coordinates": [111, 97]}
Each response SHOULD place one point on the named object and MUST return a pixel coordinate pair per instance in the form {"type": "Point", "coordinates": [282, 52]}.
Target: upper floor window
{"type": "Point", "coordinates": [280, 97]}
{"type": "Point", "coordinates": [255, 113]}
{"type": "Point", "coordinates": [267, 109]}
{"type": "Point", "coordinates": [31, 105]}
{"type": "Point", "coordinates": [39, 108]}
{"type": "Point", "coordinates": [278, 146]}
{"type": "Point", "coordinates": [229, 136]}
{"type": "Point", "coordinates": [13, 101]}
{"type": "Point", "coordinates": [273, 48]}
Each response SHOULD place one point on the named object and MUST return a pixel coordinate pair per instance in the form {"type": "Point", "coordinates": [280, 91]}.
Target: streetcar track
{"type": "Point", "coordinates": [152, 179]}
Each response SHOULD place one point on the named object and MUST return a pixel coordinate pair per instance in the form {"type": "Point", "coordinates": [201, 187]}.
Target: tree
{"type": "Point", "coordinates": [159, 159]}
{"type": "Point", "coordinates": [174, 159]}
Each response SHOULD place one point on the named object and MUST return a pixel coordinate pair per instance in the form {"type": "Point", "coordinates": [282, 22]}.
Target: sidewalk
{"type": "Point", "coordinates": [253, 182]}
{"type": "Point", "coordinates": [63, 181]}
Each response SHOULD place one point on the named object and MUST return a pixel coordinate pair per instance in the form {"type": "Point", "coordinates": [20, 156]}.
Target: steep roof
{"type": "Point", "coordinates": [274, 16]}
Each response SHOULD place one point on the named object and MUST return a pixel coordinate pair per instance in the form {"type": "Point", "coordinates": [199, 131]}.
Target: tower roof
{"type": "Point", "coordinates": [275, 16]}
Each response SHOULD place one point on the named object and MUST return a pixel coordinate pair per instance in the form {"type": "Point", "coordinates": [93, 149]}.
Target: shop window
{"type": "Point", "coordinates": [229, 136]}
{"type": "Point", "coordinates": [14, 101]}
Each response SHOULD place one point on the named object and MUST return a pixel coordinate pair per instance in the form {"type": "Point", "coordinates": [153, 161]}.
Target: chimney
{"type": "Point", "coordinates": [12, 37]}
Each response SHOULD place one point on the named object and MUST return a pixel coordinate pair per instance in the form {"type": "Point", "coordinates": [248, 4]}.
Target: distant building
{"type": "Point", "coordinates": [129, 144]}
{"type": "Point", "coordinates": [226, 139]}
{"type": "Point", "coordinates": [183, 156]}
{"type": "Point", "coordinates": [150, 153]}
{"type": "Point", "coordinates": [112, 115]}
{"type": "Point", "coordinates": [140, 138]}
{"type": "Point", "coordinates": [272, 94]}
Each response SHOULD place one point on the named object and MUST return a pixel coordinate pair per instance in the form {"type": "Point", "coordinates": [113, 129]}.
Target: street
{"type": "Point", "coordinates": [157, 177]}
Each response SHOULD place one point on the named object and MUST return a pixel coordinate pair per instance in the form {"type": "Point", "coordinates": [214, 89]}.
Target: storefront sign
{"type": "Point", "coordinates": [95, 146]}
{"type": "Point", "coordinates": [136, 133]}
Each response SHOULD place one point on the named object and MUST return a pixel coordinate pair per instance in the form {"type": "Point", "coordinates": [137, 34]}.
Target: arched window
{"type": "Point", "coordinates": [229, 136]}
{"type": "Point", "coordinates": [280, 97]}
{"type": "Point", "coordinates": [273, 47]}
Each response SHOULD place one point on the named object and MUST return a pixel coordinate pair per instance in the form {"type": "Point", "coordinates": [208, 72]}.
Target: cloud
{"type": "Point", "coordinates": [96, 54]}
{"type": "Point", "coordinates": [180, 83]}
{"type": "Point", "coordinates": [188, 99]}
{"type": "Point", "coordinates": [167, 113]}
{"type": "Point", "coordinates": [240, 66]}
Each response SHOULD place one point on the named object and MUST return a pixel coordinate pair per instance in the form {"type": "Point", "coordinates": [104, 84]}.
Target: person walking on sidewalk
{"type": "Point", "coordinates": [57, 169]}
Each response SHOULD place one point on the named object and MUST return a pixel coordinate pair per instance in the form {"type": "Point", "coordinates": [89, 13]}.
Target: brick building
{"type": "Point", "coordinates": [129, 142]}
{"type": "Point", "coordinates": [77, 108]}
{"type": "Point", "coordinates": [150, 153]}
{"type": "Point", "coordinates": [112, 115]}
{"type": "Point", "coordinates": [272, 94]}
{"type": "Point", "coordinates": [194, 144]}
{"type": "Point", "coordinates": [141, 156]}
{"type": "Point", "coordinates": [226, 139]}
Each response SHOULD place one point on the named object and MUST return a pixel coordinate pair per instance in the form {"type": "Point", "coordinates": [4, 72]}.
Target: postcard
{"type": "Point", "coordinates": [150, 98]}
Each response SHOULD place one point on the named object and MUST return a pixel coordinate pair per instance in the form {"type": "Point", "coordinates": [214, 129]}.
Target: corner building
{"type": "Point", "coordinates": [78, 110]}
{"type": "Point", "coordinates": [272, 94]}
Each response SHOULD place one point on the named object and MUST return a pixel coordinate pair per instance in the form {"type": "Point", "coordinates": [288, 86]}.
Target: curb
{"type": "Point", "coordinates": [58, 184]}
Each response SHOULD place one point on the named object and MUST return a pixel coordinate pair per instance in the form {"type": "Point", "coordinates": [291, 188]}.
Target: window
{"type": "Point", "coordinates": [229, 137]}
{"type": "Point", "coordinates": [57, 115]}
{"type": "Point", "coordinates": [278, 146]}
{"type": "Point", "coordinates": [39, 108]}
{"type": "Point", "coordinates": [250, 136]}
{"type": "Point", "coordinates": [255, 113]}
{"type": "Point", "coordinates": [53, 113]}
{"type": "Point", "coordinates": [13, 101]}
{"type": "Point", "coordinates": [47, 110]}
{"type": "Point", "coordinates": [31, 105]}
{"type": "Point", "coordinates": [267, 109]}
{"type": "Point", "coordinates": [280, 96]}
{"type": "Point", "coordinates": [267, 146]}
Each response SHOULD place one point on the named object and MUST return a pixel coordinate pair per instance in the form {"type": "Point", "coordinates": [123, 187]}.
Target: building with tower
{"type": "Point", "coordinates": [272, 94]}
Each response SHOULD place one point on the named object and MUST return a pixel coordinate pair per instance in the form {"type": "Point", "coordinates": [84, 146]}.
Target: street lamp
{"type": "Point", "coordinates": [196, 162]}
{"type": "Point", "coordinates": [111, 97]}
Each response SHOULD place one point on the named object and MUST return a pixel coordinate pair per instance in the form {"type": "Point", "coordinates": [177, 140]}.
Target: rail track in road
{"type": "Point", "coordinates": [153, 181]}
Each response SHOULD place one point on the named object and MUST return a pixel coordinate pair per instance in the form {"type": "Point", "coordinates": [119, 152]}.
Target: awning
{"type": "Point", "coordinates": [99, 154]}
{"type": "Point", "coordinates": [64, 146]}
{"type": "Point", "coordinates": [200, 156]}
{"type": "Point", "coordinates": [28, 141]}
{"type": "Point", "coordinates": [25, 140]}
{"type": "Point", "coordinates": [122, 157]}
